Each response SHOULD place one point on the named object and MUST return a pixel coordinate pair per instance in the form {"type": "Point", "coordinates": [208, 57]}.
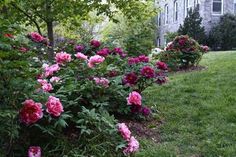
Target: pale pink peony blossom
{"type": "Point", "coordinates": [31, 112]}
{"type": "Point", "coordinates": [49, 70]}
{"type": "Point", "coordinates": [124, 130]}
{"type": "Point", "coordinates": [102, 81]}
{"type": "Point", "coordinates": [134, 98]}
{"type": "Point", "coordinates": [47, 87]}
{"type": "Point", "coordinates": [80, 55]}
{"type": "Point", "coordinates": [55, 79]}
{"type": "Point", "coordinates": [96, 59]}
{"type": "Point", "coordinates": [54, 106]}
{"type": "Point", "coordinates": [62, 57]}
{"type": "Point", "coordinates": [133, 146]}
{"type": "Point", "coordinates": [36, 37]}
{"type": "Point", "coordinates": [34, 151]}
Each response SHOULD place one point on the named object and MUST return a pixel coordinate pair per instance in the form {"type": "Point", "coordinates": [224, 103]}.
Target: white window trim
{"type": "Point", "coordinates": [234, 7]}
{"type": "Point", "coordinates": [222, 8]}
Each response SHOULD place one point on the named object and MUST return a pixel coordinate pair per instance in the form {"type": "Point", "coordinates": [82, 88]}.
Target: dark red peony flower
{"type": "Point", "coordinates": [148, 72]}
{"type": "Point", "coordinates": [130, 79]}
{"type": "Point", "coordinates": [146, 111]}
{"type": "Point", "coordinates": [161, 65]}
{"type": "Point", "coordinates": [103, 52]}
{"type": "Point", "coordinates": [133, 60]}
{"type": "Point", "coordinates": [143, 58]}
{"type": "Point", "coordinates": [95, 43]}
{"type": "Point", "coordinates": [79, 48]}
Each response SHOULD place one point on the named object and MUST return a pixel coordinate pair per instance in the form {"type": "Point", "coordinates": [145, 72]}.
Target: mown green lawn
{"type": "Point", "coordinates": [199, 111]}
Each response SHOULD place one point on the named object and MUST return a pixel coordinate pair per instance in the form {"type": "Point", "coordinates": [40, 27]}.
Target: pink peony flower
{"type": "Point", "coordinates": [133, 146]}
{"type": "Point", "coordinates": [95, 43]}
{"type": "Point", "coordinates": [80, 55]}
{"type": "Point", "coordinates": [103, 52]}
{"type": "Point", "coordinates": [143, 58]}
{"type": "Point", "coordinates": [36, 37]}
{"type": "Point", "coordinates": [133, 60]}
{"type": "Point", "coordinates": [47, 87]}
{"type": "Point", "coordinates": [54, 106]}
{"type": "Point", "coordinates": [148, 72]}
{"type": "Point", "coordinates": [134, 99]}
{"type": "Point", "coordinates": [124, 130]}
{"type": "Point", "coordinates": [95, 60]}
{"type": "Point", "coordinates": [130, 79]}
{"type": "Point", "coordinates": [79, 48]}
{"type": "Point", "coordinates": [34, 151]}
{"type": "Point", "coordinates": [23, 49]}
{"type": "Point", "coordinates": [161, 65]}
{"type": "Point", "coordinates": [62, 57]}
{"type": "Point", "coordinates": [31, 112]}
{"type": "Point", "coordinates": [49, 70]}
{"type": "Point", "coordinates": [102, 81]}
{"type": "Point", "coordinates": [55, 79]}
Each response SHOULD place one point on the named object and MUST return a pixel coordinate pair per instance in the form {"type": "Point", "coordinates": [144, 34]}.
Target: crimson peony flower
{"type": "Point", "coordinates": [133, 146]}
{"type": "Point", "coordinates": [62, 57]}
{"type": "Point", "coordinates": [130, 79]}
{"type": "Point", "coordinates": [124, 130]}
{"type": "Point", "coordinates": [31, 112]}
{"type": "Point", "coordinates": [134, 98]}
{"type": "Point", "coordinates": [148, 72]}
{"type": "Point", "coordinates": [79, 48]}
{"type": "Point", "coordinates": [36, 37]}
{"type": "Point", "coordinates": [54, 106]}
{"type": "Point", "coordinates": [103, 52]}
{"type": "Point", "coordinates": [95, 43]}
{"type": "Point", "coordinates": [133, 60]}
{"type": "Point", "coordinates": [34, 151]}
{"type": "Point", "coordinates": [161, 65]}
{"type": "Point", "coordinates": [95, 60]}
{"type": "Point", "coordinates": [143, 58]}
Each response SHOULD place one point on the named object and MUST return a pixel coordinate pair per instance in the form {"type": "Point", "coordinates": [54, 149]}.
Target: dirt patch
{"type": "Point", "coordinates": [145, 129]}
{"type": "Point", "coordinates": [194, 68]}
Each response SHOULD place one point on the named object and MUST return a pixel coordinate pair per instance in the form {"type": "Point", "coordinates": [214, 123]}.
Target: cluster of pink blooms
{"type": "Point", "coordinates": [31, 111]}
{"type": "Point", "coordinates": [36, 37]}
{"type": "Point", "coordinates": [93, 60]}
{"type": "Point", "coordinates": [134, 98]}
{"type": "Point", "coordinates": [133, 144]}
{"type": "Point", "coordinates": [139, 59]}
{"type": "Point", "coordinates": [62, 57]}
{"type": "Point", "coordinates": [47, 87]}
{"type": "Point", "coordinates": [34, 151]}
{"type": "Point", "coordinates": [50, 70]}
{"type": "Point", "coordinates": [102, 81]}
{"type": "Point", "coordinates": [205, 48]}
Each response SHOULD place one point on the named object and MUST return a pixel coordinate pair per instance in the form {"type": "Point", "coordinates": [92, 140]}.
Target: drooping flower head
{"type": "Point", "coordinates": [134, 99]}
{"type": "Point", "coordinates": [148, 72]}
{"type": "Point", "coordinates": [34, 151]}
{"type": "Point", "coordinates": [124, 131]}
{"type": "Point", "coordinates": [130, 79]}
{"type": "Point", "coordinates": [62, 57]}
{"type": "Point", "coordinates": [95, 43]}
{"type": "Point", "coordinates": [132, 147]}
{"type": "Point", "coordinates": [161, 65]}
{"type": "Point", "coordinates": [96, 59]}
{"type": "Point", "coordinates": [79, 48]}
{"type": "Point", "coordinates": [54, 106]}
{"type": "Point", "coordinates": [80, 55]}
{"type": "Point", "coordinates": [31, 112]}
{"type": "Point", "coordinates": [36, 37]}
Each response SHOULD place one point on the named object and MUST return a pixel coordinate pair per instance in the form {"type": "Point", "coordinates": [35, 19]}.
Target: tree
{"type": "Point", "coordinates": [49, 12]}
{"type": "Point", "coordinates": [192, 26]}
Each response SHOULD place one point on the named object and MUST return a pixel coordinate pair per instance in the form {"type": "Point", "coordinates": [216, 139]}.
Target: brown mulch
{"type": "Point", "coordinates": [145, 129]}
{"type": "Point", "coordinates": [191, 69]}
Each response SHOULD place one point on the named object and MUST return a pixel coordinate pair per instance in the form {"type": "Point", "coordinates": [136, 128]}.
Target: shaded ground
{"type": "Point", "coordinates": [199, 111]}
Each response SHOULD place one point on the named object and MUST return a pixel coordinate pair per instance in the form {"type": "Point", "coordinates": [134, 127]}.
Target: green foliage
{"type": "Point", "coordinates": [170, 36]}
{"type": "Point", "coordinates": [222, 35]}
{"type": "Point", "coordinates": [136, 35]}
{"type": "Point", "coordinates": [183, 52]}
{"type": "Point", "coordinates": [192, 26]}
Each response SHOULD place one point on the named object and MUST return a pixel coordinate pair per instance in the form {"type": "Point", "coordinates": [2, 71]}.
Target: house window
{"type": "Point", "coordinates": [158, 42]}
{"type": "Point", "coordinates": [196, 4]}
{"type": "Point", "coordinates": [166, 14]}
{"type": "Point", "coordinates": [175, 10]}
{"type": "Point", "coordinates": [159, 19]}
{"type": "Point", "coordinates": [186, 7]}
{"type": "Point", "coordinates": [217, 7]}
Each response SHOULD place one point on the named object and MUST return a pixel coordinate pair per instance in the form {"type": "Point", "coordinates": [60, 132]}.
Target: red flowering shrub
{"type": "Point", "coordinates": [182, 52]}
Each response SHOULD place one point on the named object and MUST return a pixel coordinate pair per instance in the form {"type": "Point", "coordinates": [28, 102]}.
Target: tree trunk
{"type": "Point", "coordinates": [51, 39]}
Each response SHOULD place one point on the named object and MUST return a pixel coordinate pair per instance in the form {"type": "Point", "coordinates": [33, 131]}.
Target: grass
{"type": "Point", "coordinates": [199, 111]}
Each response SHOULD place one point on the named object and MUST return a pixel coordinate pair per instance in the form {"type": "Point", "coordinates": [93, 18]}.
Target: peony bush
{"type": "Point", "coordinates": [77, 98]}
{"type": "Point", "coordinates": [182, 52]}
